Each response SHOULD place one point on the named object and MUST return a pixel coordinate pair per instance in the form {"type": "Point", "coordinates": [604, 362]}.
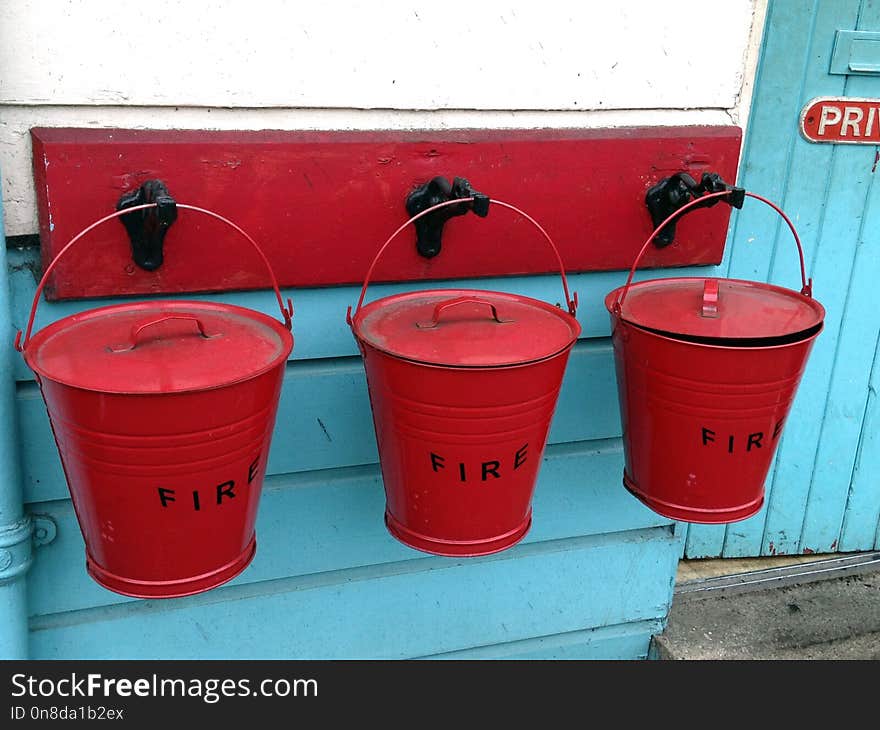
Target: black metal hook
{"type": "Point", "coordinates": [672, 193]}
{"type": "Point", "coordinates": [429, 229]}
{"type": "Point", "coordinates": [147, 228]}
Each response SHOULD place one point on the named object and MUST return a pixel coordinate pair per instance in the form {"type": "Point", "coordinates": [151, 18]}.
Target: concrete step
{"type": "Point", "coordinates": [738, 617]}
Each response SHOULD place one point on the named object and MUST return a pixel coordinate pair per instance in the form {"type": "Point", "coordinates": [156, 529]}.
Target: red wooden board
{"type": "Point", "coordinates": [321, 203]}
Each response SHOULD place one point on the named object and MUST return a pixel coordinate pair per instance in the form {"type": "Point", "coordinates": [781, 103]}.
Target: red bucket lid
{"type": "Point", "coordinates": [158, 347]}
{"type": "Point", "coordinates": [718, 309]}
{"type": "Point", "coordinates": [466, 328]}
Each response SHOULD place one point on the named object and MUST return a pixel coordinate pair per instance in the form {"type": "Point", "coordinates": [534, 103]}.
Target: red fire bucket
{"type": "Point", "coordinates": [162, 413]}
{"type": "Point", "coordinates": [706, 372]}
{"type": "Point", "coordinates": [463, 385]}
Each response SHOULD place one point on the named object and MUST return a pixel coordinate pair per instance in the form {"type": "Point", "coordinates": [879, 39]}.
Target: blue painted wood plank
{"type": "Point", "coordinates": [763, 169]}
{"type": "Point", "coordinates": [324, 418]}
{"type": "Point", "coordinates": [766, 249]}
{"type": "Point", "coordinates": [848, 388]}
{"type": "Point", "coordinates": [800, 441]}
{"type": "Point", "coordinates": [861, 523]}
{"type": "Point", "coordinates": [847, 395]}
{"type": "Point", "coordinates": [827, 245]}
{"type": "Point", "coordinates": [624, 641]}
{"type": "Point", "coordinates": [319, 326]}
{"type": "Point", "coordinates": [681, 530]}
{"type": "Point", "coordinates": [786, 57]}
{"type": "Point", "coordinates": [329, 520]}
{"type": "Point", "coordinates": [704, 541]}
{"type": "Point", "coordinates": [744, 538]}
{"type": "Point", "coordinates": [417, 608]}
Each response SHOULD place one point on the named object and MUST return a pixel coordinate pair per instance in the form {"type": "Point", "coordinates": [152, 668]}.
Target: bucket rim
{"type": "Point", "coordinates": [670, 337]}
{"type": "Point", "coordinates": [43, 334]}
{"type": "Point", "coordinates": [570, 319]}
{"type": "Point", "coordinates": [439, 366]}
{"type": "Point", "coordinates": [612, 296]}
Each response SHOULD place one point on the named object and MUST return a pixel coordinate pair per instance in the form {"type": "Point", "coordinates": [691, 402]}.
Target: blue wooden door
{"type": "Point", "coordinates": [823, 492]}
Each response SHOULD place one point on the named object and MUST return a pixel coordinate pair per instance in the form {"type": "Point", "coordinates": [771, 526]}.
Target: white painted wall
{"type": "Point", "coordinates": [240, 64]}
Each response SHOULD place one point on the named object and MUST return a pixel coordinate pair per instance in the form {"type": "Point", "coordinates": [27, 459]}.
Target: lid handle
{"type": "Point", "coordinates": [286, 311]}
{"type": "Point", "coordinates": [806, 284]}
{"type": "Point", "coordinates": [450, 303]}
{"type": "Point", "coordinates": [137, 329]}
{"type": "Point", "coordinates": [571, 301]}
{"type": "Point", "coordinates": [710, 298]}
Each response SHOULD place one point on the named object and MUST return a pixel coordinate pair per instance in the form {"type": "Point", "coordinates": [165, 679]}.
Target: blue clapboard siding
{"type": "Point", "coordinates": [410, 609]}
{"type": "Point", "coordinates": [322, 521]}
{"type": "Point", "coordinates": [592, 579]}
{"type": "Point", "coordinates": [622, 641]}
{"type": "Point", "coordinates": [324, 418]}
{"type": "Point", "coordinates": [819, 497]}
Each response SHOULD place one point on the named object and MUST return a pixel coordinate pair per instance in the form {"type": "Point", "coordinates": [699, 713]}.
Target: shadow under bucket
{"type": "Point", "coordinates": [463, 386]}
{"type": "Point", "coordinates": [707, 370]}
{"type": "Point", "coordinates": [163, 413]}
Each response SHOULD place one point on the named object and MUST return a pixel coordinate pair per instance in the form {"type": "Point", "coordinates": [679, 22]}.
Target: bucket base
{"type": "Point", "coordinates": [457, 548]}
{"type": "Point", "coordinates": [694, 514]}
{"type": "Point", "coordinates": [172, 588]}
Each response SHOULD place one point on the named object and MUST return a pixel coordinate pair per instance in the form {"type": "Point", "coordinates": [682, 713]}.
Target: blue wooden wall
{"type": "Point", "coordinates": [593, 578]}
{"type": "Point", "coordinates": [824, 487]}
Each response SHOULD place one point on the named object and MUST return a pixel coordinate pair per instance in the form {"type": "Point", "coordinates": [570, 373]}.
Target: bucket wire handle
{"type": "Point", "coordinates": [286, 311]}
{"type": "Point", "coordinates": [570, 301]}
{"type": "Point", "coordinates": [806, 284]}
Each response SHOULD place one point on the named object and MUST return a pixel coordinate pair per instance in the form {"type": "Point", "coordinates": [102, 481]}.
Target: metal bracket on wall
{"type": "Point", "coordinates": [429, 229]}
{"type": "Point", "coordinates": [673, 193]}
{"type": "Point", "coordinates": [147, 228]}
{"type": "Point", "coordinates": [45, 530]}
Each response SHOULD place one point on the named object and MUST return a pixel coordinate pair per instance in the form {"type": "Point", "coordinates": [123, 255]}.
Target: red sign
{"type": "Point", "coordinates": [842, 120]}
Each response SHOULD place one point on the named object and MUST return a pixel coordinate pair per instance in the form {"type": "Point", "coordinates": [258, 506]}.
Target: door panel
{"type": "Point", "coordinates": [820, 493]}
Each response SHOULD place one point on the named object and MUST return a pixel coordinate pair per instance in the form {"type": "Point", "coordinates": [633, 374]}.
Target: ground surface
{"type": "Point", "coordinates": [837, 618]}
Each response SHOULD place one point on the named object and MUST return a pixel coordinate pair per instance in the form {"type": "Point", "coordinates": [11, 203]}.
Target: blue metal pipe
{"type": "Point", "coordinates": [16, 528]}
